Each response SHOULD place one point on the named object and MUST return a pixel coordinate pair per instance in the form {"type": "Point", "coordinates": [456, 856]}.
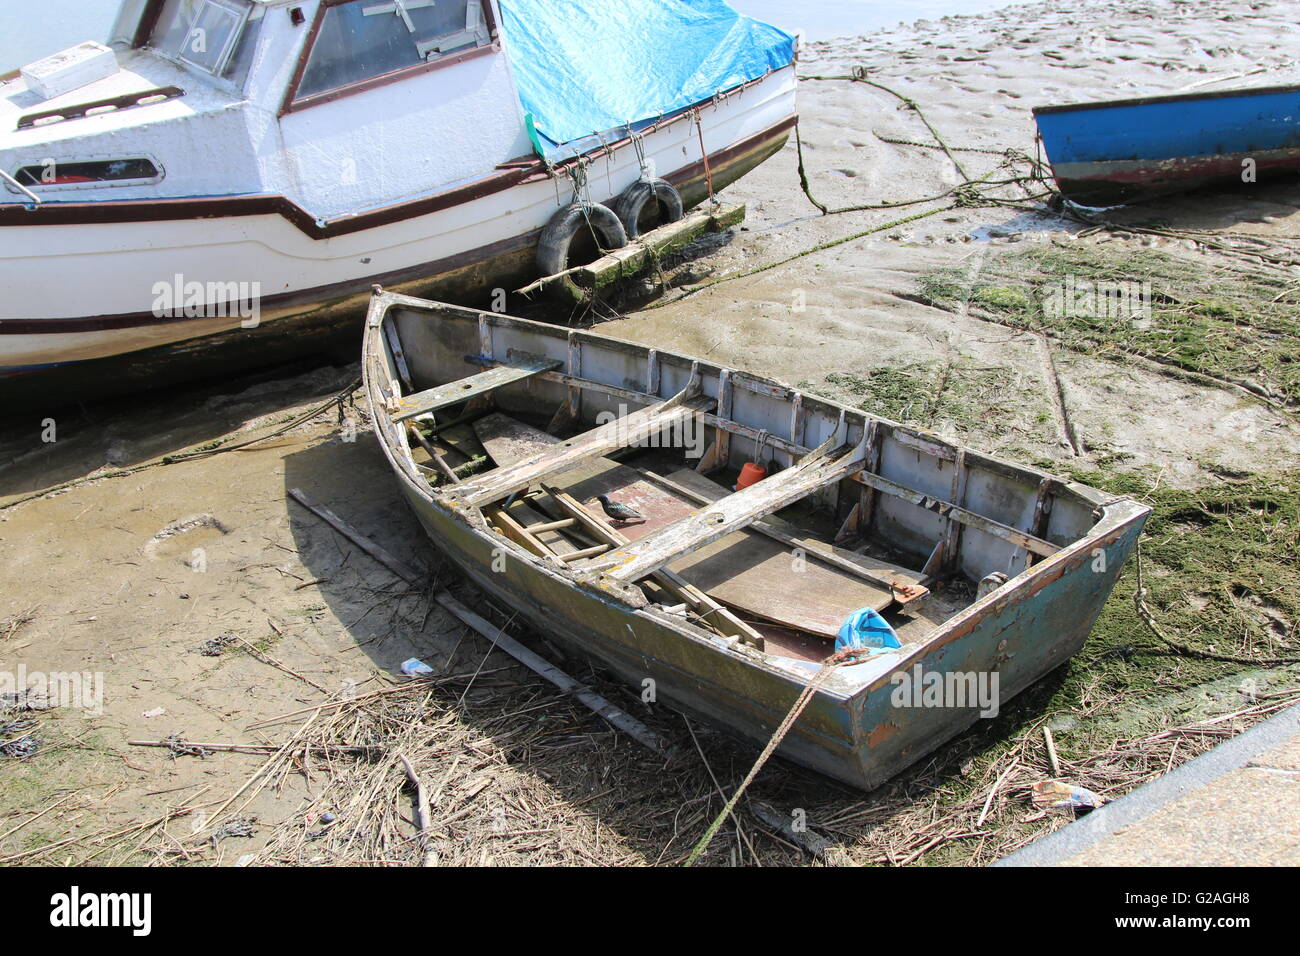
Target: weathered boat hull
{"type": "Point", "coordinates": [854, 729]}
{"type": "Point", "coordinates": [1106, 154]}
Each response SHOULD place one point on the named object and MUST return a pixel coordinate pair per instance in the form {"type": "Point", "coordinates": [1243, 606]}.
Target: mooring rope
{"type": "Point", "coordinates": [968, 193]}
{"type": "Point", "coordinates": [708, 170]}
{"type": "Point", "coordinates": [859, 75]}
{"type": "Point", "coordinates": [801, 703]}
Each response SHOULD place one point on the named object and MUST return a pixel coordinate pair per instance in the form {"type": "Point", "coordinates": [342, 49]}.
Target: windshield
{"type": "Point", "coordinates": [215, 36]}
{"type": "Point", "coordinates": [364, 39]}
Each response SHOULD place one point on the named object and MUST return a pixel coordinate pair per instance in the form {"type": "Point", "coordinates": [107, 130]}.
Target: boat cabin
{"type": "Point", "coordinates": [338, 105]}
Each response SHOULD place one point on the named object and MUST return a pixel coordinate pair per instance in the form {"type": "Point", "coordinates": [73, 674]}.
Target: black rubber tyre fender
{"type": "Point", "coordinates": [557, 237]}
{"type": "Point", "coordinates": [629, 205]}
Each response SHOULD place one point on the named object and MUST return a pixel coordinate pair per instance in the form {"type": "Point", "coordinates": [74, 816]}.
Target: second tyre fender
{"type": "Point", "coordinates": [630, 204]}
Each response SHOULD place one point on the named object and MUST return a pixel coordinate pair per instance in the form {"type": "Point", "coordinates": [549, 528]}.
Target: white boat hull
{"type": "Point", "coordinates": [285, 268]}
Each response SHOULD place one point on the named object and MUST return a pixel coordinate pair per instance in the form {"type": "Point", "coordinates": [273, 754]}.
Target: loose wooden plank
{"type": "Point", "coordinates": [745, 571]}
{"type": "Point", "coordinates": [769, 582]}
{"type": "Point", "coordinates": [543, 668]}
{"type": "Point", "coordinates": [735, 511]}
{"type": "Point", "coordinates": [453, 393]}
{"type": "Point", "coordinates": [717, 616]}
{"type": "Point", "coordinates": [556, 459]}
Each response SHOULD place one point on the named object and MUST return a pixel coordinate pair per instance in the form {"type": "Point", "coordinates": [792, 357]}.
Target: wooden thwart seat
{"type": "Point", "coordinates": [732, 513]}
{"type": "Point", "coordinates": [464, 389]}
{"type": "Point", "coordinates": [500, 482]}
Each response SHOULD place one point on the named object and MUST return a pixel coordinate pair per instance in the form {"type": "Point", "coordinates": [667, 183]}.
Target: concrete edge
{"type": "Point", "coordinates": [1141, 803]}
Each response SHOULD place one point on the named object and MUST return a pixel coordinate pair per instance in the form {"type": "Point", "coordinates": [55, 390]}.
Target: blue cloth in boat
{"type": "Point", "coordinates": [586, 68]}
{"type": "Point", "coordinates": [867, 630]}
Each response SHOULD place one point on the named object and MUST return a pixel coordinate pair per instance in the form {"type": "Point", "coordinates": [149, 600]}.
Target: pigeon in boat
{"type": "Point", "coordinates": [619, 511]}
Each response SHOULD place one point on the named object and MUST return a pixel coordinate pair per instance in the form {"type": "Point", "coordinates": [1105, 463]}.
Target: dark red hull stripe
{"type": "Point", "coordinates": [1112, 183]}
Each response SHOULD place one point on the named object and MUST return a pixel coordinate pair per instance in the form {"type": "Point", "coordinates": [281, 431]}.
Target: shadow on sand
{"type": "Point", "coordinates": [44, 447]}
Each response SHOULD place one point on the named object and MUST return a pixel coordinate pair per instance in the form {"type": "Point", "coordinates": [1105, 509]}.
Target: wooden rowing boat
{"type": "Point", "coordinates": [724, 604]}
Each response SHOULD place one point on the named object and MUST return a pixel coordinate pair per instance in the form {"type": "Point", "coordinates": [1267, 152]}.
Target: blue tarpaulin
{"type": "Point", "coordinates": [585, 68]}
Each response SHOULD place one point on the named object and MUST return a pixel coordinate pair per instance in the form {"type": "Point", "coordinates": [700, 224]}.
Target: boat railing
{"type": "Point", "coordinates": [36, 200]}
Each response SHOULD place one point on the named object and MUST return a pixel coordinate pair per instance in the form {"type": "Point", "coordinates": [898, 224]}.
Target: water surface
{"type": "Point", "coordinates": [31, 31]}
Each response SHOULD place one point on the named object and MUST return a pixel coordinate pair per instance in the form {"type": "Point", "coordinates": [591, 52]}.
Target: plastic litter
{"type": "Point", "coordinates": [867, 630]}
{"type": "Point", "coordinates": [416, 668]}
{"type": "Point", "coordinates": [1050, 794]}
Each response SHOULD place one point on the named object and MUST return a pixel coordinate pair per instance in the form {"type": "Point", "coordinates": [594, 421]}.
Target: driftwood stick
{"type": "Point", "coordinates": [429, 856]}
{"type": "Point", "coordinates": [434, 455]}
{"type": "Point", "coordinates": [1051, 752]}
{"type": "Point", "coordinates": [32, 819]}
{"type": "Point", "coordinates": [268, 659]}
{"type": "Point", "coordinates": [256, 748]}
{"type": "Point", "coordinates": [547, 280]}
{"type": "Point", "coordinates": [993, 792]}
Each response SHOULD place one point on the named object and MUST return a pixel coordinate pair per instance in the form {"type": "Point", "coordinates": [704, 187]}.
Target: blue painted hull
{"type": "Point", "coordinates": [1106, 154]}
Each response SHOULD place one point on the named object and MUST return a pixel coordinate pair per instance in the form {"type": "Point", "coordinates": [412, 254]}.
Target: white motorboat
{"type": "Point", "coordinates": [244, 171]}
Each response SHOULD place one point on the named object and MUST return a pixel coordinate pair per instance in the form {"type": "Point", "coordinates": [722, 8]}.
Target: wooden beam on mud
{"type": "Point", "coordinates": [499, 482]}
{"type": "Point", "coordinates": [660, 241]}
{"type": "Point", "coordinates": [732, 513]}
{"type": "Point", "coordinates": [616, 717]}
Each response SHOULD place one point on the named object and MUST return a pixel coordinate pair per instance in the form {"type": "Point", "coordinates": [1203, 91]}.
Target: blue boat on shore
{"type": "Point", "coordinates": [1123, 151]}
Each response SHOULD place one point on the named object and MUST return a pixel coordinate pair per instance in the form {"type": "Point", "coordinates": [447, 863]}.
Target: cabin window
{"type": "Point", "coordinates": [120, 171]}
{"type": "Point", "coordinates": [215, 36]}
{"type": "Point", "coordinates": [364, 39]}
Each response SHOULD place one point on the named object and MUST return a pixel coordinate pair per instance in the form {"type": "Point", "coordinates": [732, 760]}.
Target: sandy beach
{"type": "Point", "coordinates": [131, 575]}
